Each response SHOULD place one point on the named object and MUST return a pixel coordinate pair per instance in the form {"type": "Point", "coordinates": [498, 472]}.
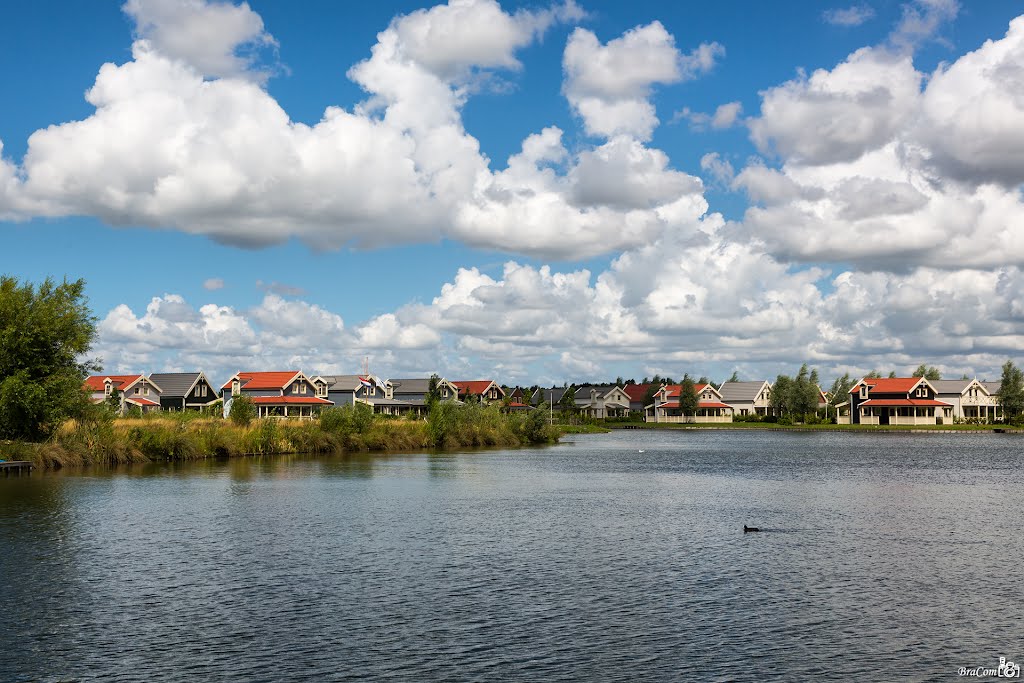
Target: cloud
{"type": "Point", "coordinates": [719, 169]}
{"type": "Point", "coordinates": [213, 284]}
{"type": "Point", "coordinates": [215, 38]}
{"type": "Point", "coordinates": [921, 21]}
{"type": "Point", "coordinates": [170, 143]}
{"type": "Point", "coordinates": [855, 15]}
{"type": "Point", "coordinates": [609, 85]}
{"type": "Point", "coordinates": [725, 116]}
{"type": "Point", "coordinates": [280, 288]}
{"type": "Point", "coordinates": [879, 172]}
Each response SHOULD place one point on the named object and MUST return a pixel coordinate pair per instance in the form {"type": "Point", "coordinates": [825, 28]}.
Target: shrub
{"type": "Point", "coordinates": [243, 410]}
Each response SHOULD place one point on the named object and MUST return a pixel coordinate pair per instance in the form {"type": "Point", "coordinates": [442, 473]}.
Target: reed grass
{"type": "Point", "coordinates": [104, 440]}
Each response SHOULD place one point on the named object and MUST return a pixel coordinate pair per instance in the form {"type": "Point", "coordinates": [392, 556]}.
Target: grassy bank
{"type": "Point", "coordinates": [811, 427]}
{"type": "Point", "coordinates": [187, 436]}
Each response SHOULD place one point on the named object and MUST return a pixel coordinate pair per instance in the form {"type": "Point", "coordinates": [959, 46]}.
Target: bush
{"type": "Point", "coordinates": [243, 410]}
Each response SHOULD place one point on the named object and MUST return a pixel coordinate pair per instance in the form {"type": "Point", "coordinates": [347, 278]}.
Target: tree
{"type": "Point", "coordinates": [734, 377]}
{"type": "Point", "coordinates": [44, 333]}
{"type": "Point", "coordinates": [113, 401]}
{"type": "Point", "coordinates": [242, 411]}
{"type": "Point", "coordinates": [804, 398]}
{"type": "Point", "coordinates": [704, 379]}
{"type": "Point", "coordinates": [874, 374]}
{"type": "Point", "coordinates": [649, 394]}
{"type": "Point", "coordinates": [929, 372]}
{"type": "Point", "coordinates": [1011, 392]}
{"type": "Point", "coordinates": [433, 393]}
{"type": "Point", "coordinates": [780, 400]}
{"type": "Point", "coordinates": [568, 400]}
{"type": "Point", "coordinates": [839, 393]}
{"type": "Point", "coordinates": [689, 402]}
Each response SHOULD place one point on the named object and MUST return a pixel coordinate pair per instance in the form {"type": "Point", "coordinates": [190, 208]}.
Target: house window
{"type": "Point", "coordinates": [145, 390]}
{"type": "Point", "coordinates": [202, 388]}
{"type": "Point", "coordinates": [137, 390]}
{"type": "Point", "coordinates": [107, 388]}
{"type": "Point", "coordinates": [321, 389]}
{"type": "Point", "coordinates": [864, 391]}
{"type": "Point", "coordinates": [444, 393]}
{"type": "Point", "coordinates": [235, 388]}
{"type": "Point", "coordinates": [302, 388]}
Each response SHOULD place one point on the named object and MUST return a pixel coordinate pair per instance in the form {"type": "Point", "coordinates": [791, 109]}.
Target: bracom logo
{"type": "Point", "coordinates": [1004, 670]}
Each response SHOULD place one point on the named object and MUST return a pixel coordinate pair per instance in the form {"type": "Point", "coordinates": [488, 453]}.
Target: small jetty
{"type": "Point", "coordinates": [15, 466]}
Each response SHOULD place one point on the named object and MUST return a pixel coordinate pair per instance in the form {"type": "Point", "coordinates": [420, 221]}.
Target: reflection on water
{"type": "Point", "coordinates": [881, 557]}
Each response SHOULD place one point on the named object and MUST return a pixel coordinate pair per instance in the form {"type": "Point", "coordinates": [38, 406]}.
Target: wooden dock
{"type": "Point", "coordinates": [15, 466]}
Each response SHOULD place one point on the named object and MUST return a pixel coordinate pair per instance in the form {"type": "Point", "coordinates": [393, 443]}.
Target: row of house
{"type": "Point", "coordinates": [888, 401]}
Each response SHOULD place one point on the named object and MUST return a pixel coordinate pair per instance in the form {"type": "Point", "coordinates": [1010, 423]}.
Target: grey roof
{"type": "Point", "coordinates": [417, 385]}
{"type": "Point", "coordinates": [740, 391]}
{"type": "Point", "coordinates": [549, 395]}
{"type": "Point", "coordinates": [949, 386]}
{"type": "Point", "coordinates": [993, 387]}
{"type": "Point", "coordinates": [341, 382]}
{"type": "Point", "coordinates": [175, 383]}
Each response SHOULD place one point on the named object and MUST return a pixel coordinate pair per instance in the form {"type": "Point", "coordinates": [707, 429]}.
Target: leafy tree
{"type": "Point", "coordinates": [734, 377]}
{"type": "Point", "coordinates": [644, 381]}
{"type": "Point", "coordinates": [804, 394]}
{"type": "Point", "coordinates": [113, 401]}
{"type": "Point", "coordinates": [568, 400]}
{"type": "Point", "coordinates": [44, 333]}
{"type": "Point", "coordinates": [929, 372]}
{"type": "Point", "coordinates": [528, 396]}
{"type": "Point", "coordinates": [781, 397]}
{"type": "Point", "coordinates": [704, 380]}
{"type": "Point", "coordinates": [242, 411]}
{"type": "Point", "coordinates": [1011, 392]}
{"type": "Point", "coordinates": [433, 393]}
{"type": "Point", "coordinates": [839, 393]}
{"type": "Point", "coordinates": [619, 381]}
{"type": "Point", "coordinates": [649, 394]}
{"type": "Point", "coordinates": [874, 374]}
{"type": "Point", "coordinates": [892, 374]}
{"type": "Point", "coordinates": [689, 402]}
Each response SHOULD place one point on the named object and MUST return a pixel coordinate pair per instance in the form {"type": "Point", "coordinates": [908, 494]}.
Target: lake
{"type": "Point", "coordinates": [881, 557]}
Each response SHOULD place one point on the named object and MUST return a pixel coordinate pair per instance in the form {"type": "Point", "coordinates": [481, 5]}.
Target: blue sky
{"type": "Point", "coordinates": [872, 261]}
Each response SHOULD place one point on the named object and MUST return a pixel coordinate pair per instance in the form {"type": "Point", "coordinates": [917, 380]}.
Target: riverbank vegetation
{"type": "Point", "coordinates": [97, 437]}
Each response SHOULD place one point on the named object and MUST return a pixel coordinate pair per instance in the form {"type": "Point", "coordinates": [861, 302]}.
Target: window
{"type": "Point", "coordinates": [321, 389]}
{"type": "Point", "coordinates": [107, 388]}
{"type": "Point", "coordinates": [302, 388]}
{"type": "Point", "coordinates": [145, 390]}
{"type": "Point", "coordinates": [202, 388]}
{"type": "Point", "coordinates": [863, 390]}
{"type": "Point", "coordinates": [444, 392]}
{"type": "Point", "coordinates": [137, 390]}
{"type": "Point", "coordinates": [235, 388]}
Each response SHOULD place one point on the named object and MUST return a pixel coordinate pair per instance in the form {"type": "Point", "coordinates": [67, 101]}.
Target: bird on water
{"type": "Point", "coordinates": [748, 529]}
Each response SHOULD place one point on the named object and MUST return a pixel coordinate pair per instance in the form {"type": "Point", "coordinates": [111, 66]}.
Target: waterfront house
{"type": "Point", "coordinates": [275, 394]}
{"type": "Point", "coordinates": [551, 398]}
{"type": "Point", "coordinates": [637, 393]}
{"type": "Point", "coordinates": [347, 390]}
{"type": "Point", "coordinates": [488, 390]}
{"type": "Point", "coordinates": [602, 400]}
{"type": "Point", "coordinates": [132, 391]}
{"type": "Point", "coordinates": [184, 390]}
{"type": "Point", "coordinates": [894, 401]}
{"type": "Point", "coordinates": [747, 398]}
{"type": "Point", "coordinates": [969, 399]}
{"type": "Point", "coordinates": [410, 394]}
{"type": "Point", "coordinates": [710, 407]}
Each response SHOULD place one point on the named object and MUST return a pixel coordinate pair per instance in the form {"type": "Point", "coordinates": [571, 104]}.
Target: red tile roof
{"type": "Point", "coordinates": [95, 383]}
{"type": "Point", "coordinates": [673, 389]}
{"type": "Point", "coordinates": [888, 385]}
{"type": "Point", "coordinates": [291, 400]}
{"type": "Point", "coordinates": [476, 386]}
{"type": "Point", "coordinates": [263, 380]}
{"type": "Point", "coordinates": [141, 401]}
{"type": "Point", "coordinates": [636, 392]}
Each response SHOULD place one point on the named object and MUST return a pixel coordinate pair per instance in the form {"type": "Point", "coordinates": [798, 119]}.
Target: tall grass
{"type": "Point", "coordinates": [104, 440]}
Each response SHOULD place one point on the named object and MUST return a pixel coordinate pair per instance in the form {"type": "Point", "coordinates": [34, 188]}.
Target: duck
{"type": "Point", "coordinates": [748, 529]}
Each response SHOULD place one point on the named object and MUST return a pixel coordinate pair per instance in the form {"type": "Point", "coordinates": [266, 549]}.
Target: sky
{"type": "Point", "coordinates": [535, 193]}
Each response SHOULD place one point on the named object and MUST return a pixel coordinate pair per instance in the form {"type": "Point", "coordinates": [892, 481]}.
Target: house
{"type": "Point", "coordinates": [747, 398]}
{"type": "Point", "coordinates": [710, 407]}
{"type": "Point", "coordinates": [184, 390]}
{"type": "Point", "coordinates": [969, 398]}
{"type": "Point", "coordinates": [894, 401]}
{"type": "Point", "coordinates": [347, 390]}
{"type": "Point", "coordinates": [550, 398]}
{"type": "Point", "coordinates": [275, 394]}
{"type": "Point", "coordinates": [637, 393]}
{"type": "Point", "coordinates": [410, 395]}
{"type": "Point", "coordinates": [602, 400]}
{"type": "Point", "coordinates": [132, 390]}
{"type": "Point", "coordinates": [517, 395]}
{"type": "Point", "coordinates": [488, 390]}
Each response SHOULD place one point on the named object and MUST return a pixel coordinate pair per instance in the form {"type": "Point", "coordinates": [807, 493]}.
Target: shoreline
{"type": "Point", "coordinates": [848, 429]}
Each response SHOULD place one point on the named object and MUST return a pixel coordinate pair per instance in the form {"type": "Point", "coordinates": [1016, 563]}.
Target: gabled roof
{"type": "Point", "coordinates": [264, 380]}
{"type": "Point", "coordinates": [674, 389]}
{"type": "Point", "coordinates": [119, 382]}
{"type": "Point", "coordinates": [951, 386]}
{"type": "Point", "coordinates": [175, 384]}
{"type": "Point", "coordinates": [550, 395]}
{"type": "Point", "coordinates": [993, 388]}
{"type": "Point", "coordinates": [415, 385]}
{"type": "Point", "coordinates": [140, 401]}
{"type": "Point", "coordinates": [636, 392]}
{"type": "Point", "coordinates": [477, 387]}
{"type": "Point", "coordinates": [291, 400]}
{"type": "Point", "coordinates": [348, 382]}
{"type": "Point", "coordinates": [890, 385]}
{"type": "Point", "coordinates": [742, 391]}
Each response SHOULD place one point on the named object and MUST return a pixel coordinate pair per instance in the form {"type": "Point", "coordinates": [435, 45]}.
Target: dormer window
{"type": "Point", "coordinates": [236, 388]}
{"type": "Point", "coordinates": [138, 390]}
{"type": "Point", "coordinates": [145, 390]}
{"type": "Point", "coordinates": [107, 388]}
{"type": "Point", "coordinates": [302, 388]}
{"type": "Point", "coordinates": [863, 390]}
{"type": "Point", "coordinates": [321, 389]}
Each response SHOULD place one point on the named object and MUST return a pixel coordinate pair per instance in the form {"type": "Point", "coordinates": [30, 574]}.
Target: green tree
{"type": "Point", "coordinates": [840, 391]}
{"type": "Point", "coordinates": [874, 374]}
{"type": "Point", "coordinates": [804, 394]}
{"type": "Point", "coordinates": [1011, 392]}
{"type": "Point", "coordinates": [44, 333]}
{"type": "Point", "coordinates": [689, 402]}
{"type": "Point", "coordinates": [113, 401]}
{"type": "Point", "coordinates": [568, 401]}
{"type": "Point", "coordinates": [781, 397]}
{"type": "Point", "coordinates": [734, 377]}
{"type": "Point", "coordinates": [242, 411]}
{"type": "Point", "coordinates": [433, 393]}
{"type": "Point", "coordinates": [929, 372]}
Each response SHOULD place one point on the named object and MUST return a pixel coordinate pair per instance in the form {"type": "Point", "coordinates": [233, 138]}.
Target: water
{"type": "Point", "coordinates": [882, 557]}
